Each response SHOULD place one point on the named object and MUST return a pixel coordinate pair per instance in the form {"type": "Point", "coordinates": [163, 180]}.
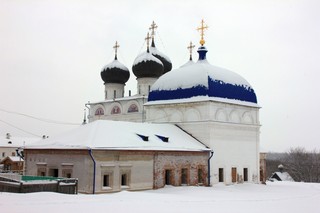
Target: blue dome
{"type": "Point", "coordinates": [202, 79]}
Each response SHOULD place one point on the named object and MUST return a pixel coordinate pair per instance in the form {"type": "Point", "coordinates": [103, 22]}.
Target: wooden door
{"type": "Point", "coordinates": [234, 174]}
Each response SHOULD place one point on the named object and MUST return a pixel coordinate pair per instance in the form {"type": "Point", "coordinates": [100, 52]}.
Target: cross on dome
{"type": "Point", "coordinates": [152, 28]}
{"type": "Point", "coordinates": [190, 47]}
{"type": "Point", "coordinates": [148, 39]}
{"type": "Point", "coordinates": [201, 29]}
{"type": "Point", "coordinates": [115, 47]}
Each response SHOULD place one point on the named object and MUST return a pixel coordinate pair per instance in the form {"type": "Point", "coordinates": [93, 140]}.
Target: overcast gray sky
{"type": "Point", "coordinates": [52, 53]}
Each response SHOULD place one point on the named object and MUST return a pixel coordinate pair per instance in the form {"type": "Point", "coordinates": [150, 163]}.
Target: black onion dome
{"type": "Point", "coordinates": [115, 72]}
{"type": "Point", "coordinates": [146, 65]}
{"type": "Point", "coordinates": [162, 57]}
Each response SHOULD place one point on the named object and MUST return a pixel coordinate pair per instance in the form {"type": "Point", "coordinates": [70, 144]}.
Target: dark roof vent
{"type": "Point", "coordinates": [163, 138]}
{"type": "Point", "coordinates": [143, 137]}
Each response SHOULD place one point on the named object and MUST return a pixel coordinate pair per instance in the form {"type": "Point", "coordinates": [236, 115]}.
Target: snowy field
{"type": "Point", "coordinates": [273, 197]}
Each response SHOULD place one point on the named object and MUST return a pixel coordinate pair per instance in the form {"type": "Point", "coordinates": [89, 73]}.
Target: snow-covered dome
{"type": "Point", "coordinates": [167, 65]}
{"type": "Point", "coordinates": [201, 79]}
{"type": "Point", "coordinates": [115, 72]}
{"type": "Point", "coordinates": [146, 65]}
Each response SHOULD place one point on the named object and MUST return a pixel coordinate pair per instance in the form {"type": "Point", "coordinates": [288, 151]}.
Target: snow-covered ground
{"type": "Point", "coordinates": [273, 197]}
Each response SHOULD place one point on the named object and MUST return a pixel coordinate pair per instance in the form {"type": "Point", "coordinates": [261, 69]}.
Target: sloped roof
{"type": "Point", "coordinates": [13, 159]}
{"type": "Point", "coordinates": [120, 135]}
{"type": "Point", "coordinates": [282, 176]}
{"type": "Point", "coordinates": [16, 142]}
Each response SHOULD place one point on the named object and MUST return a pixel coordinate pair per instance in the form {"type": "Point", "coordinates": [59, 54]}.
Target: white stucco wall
{"type": "Point", "coordinates": [231, 131]}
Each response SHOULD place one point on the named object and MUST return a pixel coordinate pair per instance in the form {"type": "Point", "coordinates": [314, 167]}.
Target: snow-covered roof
{"type": "Point", "coordinates": [155, 51]}
{"type": "Point", "coordinates": [126, 98]}
{"type": "Point", "coordinates": [115, 64]}
{"type": "Point", "coordinates": [16, 142]}
{"type": "Point", "coordinates": [202, 79]}
{"type": "Point", "coordinates": [190, 62]}
{"type": "Point", "coordinates": [13, 159]}
{"type": "Point", "coordinates": [283, 176]}
{"type": "Point", "coordinates": [120, 135]}
{"type": "Point", "coordinates": [203, 99]}
{"type": "Point", "coordinates": [146, 56]}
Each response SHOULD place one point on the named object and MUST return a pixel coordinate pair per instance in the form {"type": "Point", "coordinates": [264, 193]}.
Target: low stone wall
{"type": "Point", "coordinates": [67, 186]}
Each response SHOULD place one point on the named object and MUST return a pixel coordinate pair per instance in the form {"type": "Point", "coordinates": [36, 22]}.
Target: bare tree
{"type": "Point", "coordinates": [302, 165]}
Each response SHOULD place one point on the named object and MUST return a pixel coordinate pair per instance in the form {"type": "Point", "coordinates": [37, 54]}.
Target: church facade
{"type": "Point", "coordinates": [216, 106]}
{"type": "Point", "coordinates": [195, 125]}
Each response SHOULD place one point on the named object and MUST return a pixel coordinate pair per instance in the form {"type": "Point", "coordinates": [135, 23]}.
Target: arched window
{"type": "Point", "coordinates": [99, 111]}
{"type": "Point", "coordinates": [116, 110]}
{"type": "Point", "coordinates": [133, 108]}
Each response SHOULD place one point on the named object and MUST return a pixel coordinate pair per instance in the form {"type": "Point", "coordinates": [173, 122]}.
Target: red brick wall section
{"type": "Point", "coordinates": [176, 161]}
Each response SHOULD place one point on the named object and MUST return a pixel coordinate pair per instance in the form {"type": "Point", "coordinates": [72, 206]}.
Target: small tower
{"type": "Point", "coordinates": [115, 75]}
{"type": "Point", "coordinates": [147, 68]}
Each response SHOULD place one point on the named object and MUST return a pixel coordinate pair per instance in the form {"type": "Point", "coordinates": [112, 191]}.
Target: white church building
{"type": "Point", "coordinates": [216, 106]}
{"type": "Point", "coordinates": [213, 110]}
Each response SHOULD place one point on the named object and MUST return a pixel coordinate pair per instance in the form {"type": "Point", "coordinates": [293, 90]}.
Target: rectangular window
{"type": "Point", "coordinates": [3, 154]}
{"type": "Point", "coordinates": [114, 94]}
{"type": "Point", "coordinates": [168, 177]}
{"type": "Point", "coordinates": [13, 154]}
{"type": "Point", "coordinates": [124, 180]}
{"type": "Point", "coordinates": [106, 180]}
{"type": "Point", "coordinates": [200, 176]}
{"type": "Point", "coordinates": [221, 178]}
{"type": "Point", "coordinates": [184, 176]}
{"type": "Point", "coordinates": [245, 174]}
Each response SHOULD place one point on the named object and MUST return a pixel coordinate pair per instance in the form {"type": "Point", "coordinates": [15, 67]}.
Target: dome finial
{"type": "Point", "coordinates": [152, 28]}
{"type": "Point", "coordinates": [201, 29]}
{"type": "Point", "coordinates": [190, 47]}
{"type": "Point", "coordinates": [115, 47]}
{"type": "Point", "coordinates": [148, 39]}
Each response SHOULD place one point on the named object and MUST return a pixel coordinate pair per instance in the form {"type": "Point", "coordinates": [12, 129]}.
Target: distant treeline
{"type": "Point", "coordinates": [302, 165]}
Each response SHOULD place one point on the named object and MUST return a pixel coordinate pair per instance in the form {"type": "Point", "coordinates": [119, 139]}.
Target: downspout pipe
{"type": "Point", "coordinates": [94, 172]}
{"type": "Point", "coordinates": [209, 175]}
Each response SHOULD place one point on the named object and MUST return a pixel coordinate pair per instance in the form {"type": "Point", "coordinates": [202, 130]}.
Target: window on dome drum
{"type": "Point", "coordinates": [99, 111]}
{"type": "Point", "coordinates": [184, 176]}
{"type": "Point", "coordinates": [221, 178]}
{"type": "Point", "coordinates": [133, 108]}
{"type": "Point", "coordinates": [149, 87]}
{"type": "Point", "coordinates": [114, 94]}
{"type": "Point", "coordinates": [245, 174]}
{"type": "Point", "coordinates": [234, 174]}
{"type": "Point", "coordinates": [115, 110]}
{"type": "Point", "coordinates": [106, 95]}
{"type": "Point", "coordinates": [200, 176]}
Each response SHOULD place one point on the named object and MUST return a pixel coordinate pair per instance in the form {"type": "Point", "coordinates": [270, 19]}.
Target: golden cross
{"type": "Point", "coordinates": [115, 47]}
{"type": "Point", "coordinates": [201, 29]}
{"type": "Point", "coordinates": [148, 39]}
{"type": "Point", "coordinates": [190, 47]}
{"type": "Point", "coordinates": [152, 28]}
